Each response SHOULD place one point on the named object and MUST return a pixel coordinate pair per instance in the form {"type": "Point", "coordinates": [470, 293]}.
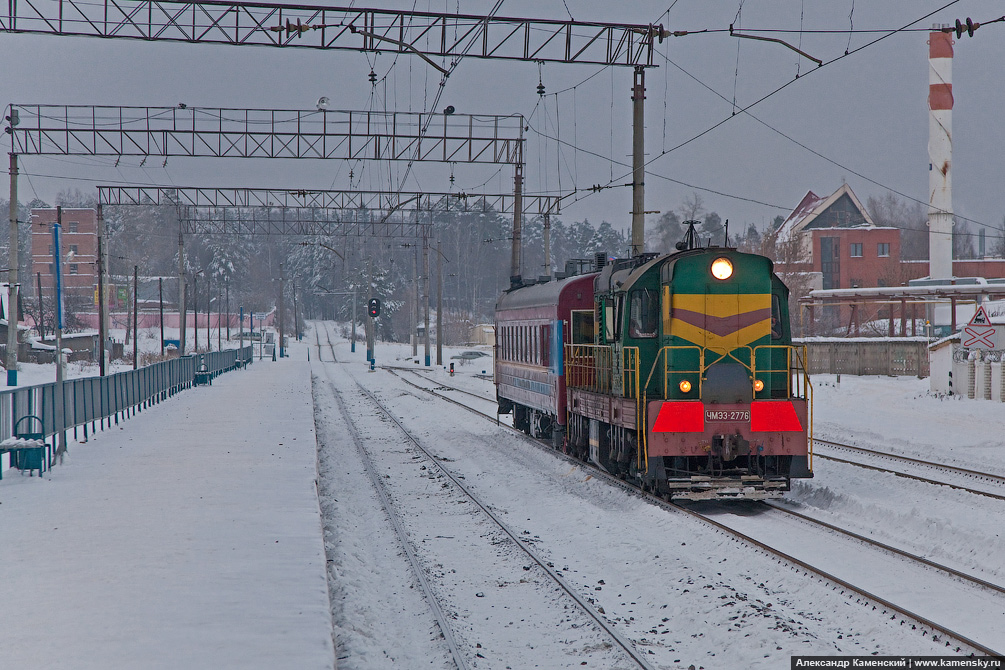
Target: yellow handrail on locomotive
{"type": "Point", "coordinates": [630, 370]}
{"type": "Point", "coordinates": [799, 388]}
{"type": "Point", "coordinates": [727, 352]}
{"type": "Point", "coordinates": [588, 367]}
{"type": "Point", "coordinates": [666, 371]}
{"type": "Point", "coordinates": [802, 389]}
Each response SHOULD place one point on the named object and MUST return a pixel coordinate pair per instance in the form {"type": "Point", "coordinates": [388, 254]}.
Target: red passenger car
{"type": "Point", "coordinates": [533, 323]}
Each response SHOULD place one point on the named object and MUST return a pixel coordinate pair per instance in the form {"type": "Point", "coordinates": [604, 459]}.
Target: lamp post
{"type": "Point", "coordinates": [195, 306]}
{"type": "Point", "coordinates": [439, 303]}
{"type": "Point", "coordinates": [58, 278]}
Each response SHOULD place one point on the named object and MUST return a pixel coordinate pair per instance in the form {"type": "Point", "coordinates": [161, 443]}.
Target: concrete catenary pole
{"type": "Point", "coordinates": [282, 313]}
{"type": "Point", "coordinates": [515, 256]}
{"type": "Point", "coordinates": [425, 292]}
{"type": "Point", "coordinates": [182, 314]}
{"type": "Point", "coordinates": [368, 324]}
{"type": "Point", "coordinates": [940, 152]}
{"type": "Point", "coordinates": [439, 304]}
{"type": "Point", "coordinates": [160, 297]}
{"type": "Point", "coordinates": [136, 309]}
{"type": "Point", "coordinates": [105, 318]}
{"type": "Point", "coordinates": [414, 336]}
{"type": "Point", "coordinates": [59, 407]}
{"type": "Point", "coordinates": [547, 245]}
{"type": "Point", "coordinates": [102, 302]}
{"type": "Point", "coordinates": [638, 162]}
{"type": "Point", "coordinates": [12, 260]}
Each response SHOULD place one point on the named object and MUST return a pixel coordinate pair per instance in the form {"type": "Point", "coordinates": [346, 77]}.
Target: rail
{"type": "Point", "coordinates": [87, 400]}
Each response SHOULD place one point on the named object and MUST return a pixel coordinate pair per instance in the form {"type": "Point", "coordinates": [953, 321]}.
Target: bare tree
{"type": "Point", "coordinates": [910, 217]}
{"type": "Point", "coordinates": [692, 207]}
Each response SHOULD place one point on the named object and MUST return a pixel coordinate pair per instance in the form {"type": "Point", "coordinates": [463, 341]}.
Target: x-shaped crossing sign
{"type": "Point", "coordinates": [979, 337]}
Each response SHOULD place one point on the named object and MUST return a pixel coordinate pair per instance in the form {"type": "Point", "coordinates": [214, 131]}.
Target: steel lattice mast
{"type": "Point", "coordinates": [428, 34]}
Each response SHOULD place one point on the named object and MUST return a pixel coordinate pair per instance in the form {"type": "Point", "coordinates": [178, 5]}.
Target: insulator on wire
{"type": "Point", "coordinates": [969, 26]}
{"type": "Point", "coordinates": [372, 77]}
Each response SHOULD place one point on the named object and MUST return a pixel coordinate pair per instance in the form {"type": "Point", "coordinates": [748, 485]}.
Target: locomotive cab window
{"type": "Point", "coordinates": [776, 317]}
{"type": "Point", "coordinates": [644, 313]}
{"type": "Point", "coordinates": [609, 321]}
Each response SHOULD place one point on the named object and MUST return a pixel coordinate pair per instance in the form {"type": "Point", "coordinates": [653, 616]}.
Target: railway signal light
{"type": "Point", "coordinates": [373, 309]}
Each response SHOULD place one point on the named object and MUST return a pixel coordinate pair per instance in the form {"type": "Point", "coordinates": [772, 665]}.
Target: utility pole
{"type": "Point", "coordinates": [102, 333]}
{"type": "Point", "coordinates": [195, 310]}
{"type": "Point", "coordinates": [182, 316]}
{"type": "Point", "coordinates": [136, 309]}
{"type": "Point", "coordinates": [282, 286]}
{"type": "Point", "coordinates": [41, 309]}
{"type": "Point", "coordinates": [425, 291]}
{"type": "Point", "coordinates": [103, 312]}
{"type": "Point", "coordinates": [352, 346]}
{"type": "Point", "coordinates": [439, 304]}
{"type": "Point", "coordinates": [160, 293]}
{"type": "Point", "coordinates": [296, 318]}
{"type": "Point", "coordinates": [228, 309]}
{"type": "Point", "coordinates": [12, 259]}
{"type": "Point", "coordinates": [638, 162]}
{"type": "Point", "coordinates": [369, 327]}
{"type": "Point", "coordinates": [209, 314]}
{"type": "Point", "coordinates": [58, 277]}
{"type": "Point", "coordinates": [219, 317]}
{"type": "Point", "coordinates": [515, 260]}
{"type": "Point", "coordinates": [547, 244]}
{"type": "Point", "coordinates": [414, 336]}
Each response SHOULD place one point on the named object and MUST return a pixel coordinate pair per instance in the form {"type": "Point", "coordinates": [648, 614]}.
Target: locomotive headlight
{"type": "Point", "coordinates": [758, 385]}
{"type": "Point", "coordinates": [722, 268]}
{"type": "Point", "coordinates": [685, 386]}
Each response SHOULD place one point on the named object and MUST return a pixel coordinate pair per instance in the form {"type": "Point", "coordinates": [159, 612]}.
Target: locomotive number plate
{"type": "Point", "coordinates": [727, 415]}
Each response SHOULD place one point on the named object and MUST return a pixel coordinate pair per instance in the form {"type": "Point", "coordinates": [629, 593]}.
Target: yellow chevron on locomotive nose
{"type": "Point", "coordinates": [721, 321]}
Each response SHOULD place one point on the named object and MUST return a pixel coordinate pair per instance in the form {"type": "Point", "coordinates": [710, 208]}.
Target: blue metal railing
{"type": "Point", "coordinates": [88, 401]}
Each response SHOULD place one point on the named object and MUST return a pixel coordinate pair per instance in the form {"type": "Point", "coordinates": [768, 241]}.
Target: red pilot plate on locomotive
{"type": "Point", "coordinates": [687, 416]}
{"type": "Point", "coordinates": [774, 415]}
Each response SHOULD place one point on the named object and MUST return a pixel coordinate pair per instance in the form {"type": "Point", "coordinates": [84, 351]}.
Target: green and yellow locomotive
{"type": "Point", "coordinates": [692, 386]}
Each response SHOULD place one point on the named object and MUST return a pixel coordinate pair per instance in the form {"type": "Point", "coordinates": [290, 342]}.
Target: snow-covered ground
{"type": "Point", "coordinates": [614, 534]}
{"type": "Point", "coordinates": [117, 552]}
{"type": "Point", "coordinates": [185, 537]}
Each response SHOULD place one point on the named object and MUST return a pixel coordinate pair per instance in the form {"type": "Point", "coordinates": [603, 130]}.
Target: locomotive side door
{"type": "Point", "coordinates": [617, 373]}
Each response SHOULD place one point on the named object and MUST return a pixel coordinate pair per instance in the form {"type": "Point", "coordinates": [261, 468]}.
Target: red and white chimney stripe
{"type": "Point", "coordinates": [940, 153]}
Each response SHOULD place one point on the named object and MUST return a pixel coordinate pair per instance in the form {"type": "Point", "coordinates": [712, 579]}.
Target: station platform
{"type": "Point", "coordinates": [188, 536]}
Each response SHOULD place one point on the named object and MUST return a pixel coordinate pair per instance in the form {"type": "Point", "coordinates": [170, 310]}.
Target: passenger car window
{"type": "Point", "coordinates": [583, 330]}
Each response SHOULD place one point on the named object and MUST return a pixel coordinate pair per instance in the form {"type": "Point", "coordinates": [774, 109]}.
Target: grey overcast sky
{"type": "Point", "coordinates": [866, 113]}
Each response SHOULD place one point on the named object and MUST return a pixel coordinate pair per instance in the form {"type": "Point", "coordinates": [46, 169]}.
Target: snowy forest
{"type": "Point", "coordinates": [474, 250]}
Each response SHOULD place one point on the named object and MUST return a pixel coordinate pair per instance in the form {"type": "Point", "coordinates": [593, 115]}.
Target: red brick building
{"type": "Point", "coordinates": [80, 236]}
{"type": "Point", "coordinates": [835, 237]}
{"type": "Point", "coordinates": [857, 257]}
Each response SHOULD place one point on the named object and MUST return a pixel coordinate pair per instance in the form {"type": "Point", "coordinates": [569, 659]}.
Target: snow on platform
{"type": "Point", "coordinates": [187, 537]}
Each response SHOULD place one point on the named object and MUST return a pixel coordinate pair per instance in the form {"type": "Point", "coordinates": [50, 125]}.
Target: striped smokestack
{"type": "Point", "coordinates": [940, 154]}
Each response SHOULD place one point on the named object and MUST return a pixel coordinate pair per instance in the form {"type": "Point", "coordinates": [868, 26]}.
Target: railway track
{"type": "Point", "coordinates": [444, 620]}
{"type": "Point", "coordinates": [914, 462]}
{"type": "Point", "coordinates": [956, 641]}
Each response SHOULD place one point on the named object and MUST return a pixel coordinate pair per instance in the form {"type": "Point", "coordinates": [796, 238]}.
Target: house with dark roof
{"type": "Point", "coordinates": [836, 236]}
